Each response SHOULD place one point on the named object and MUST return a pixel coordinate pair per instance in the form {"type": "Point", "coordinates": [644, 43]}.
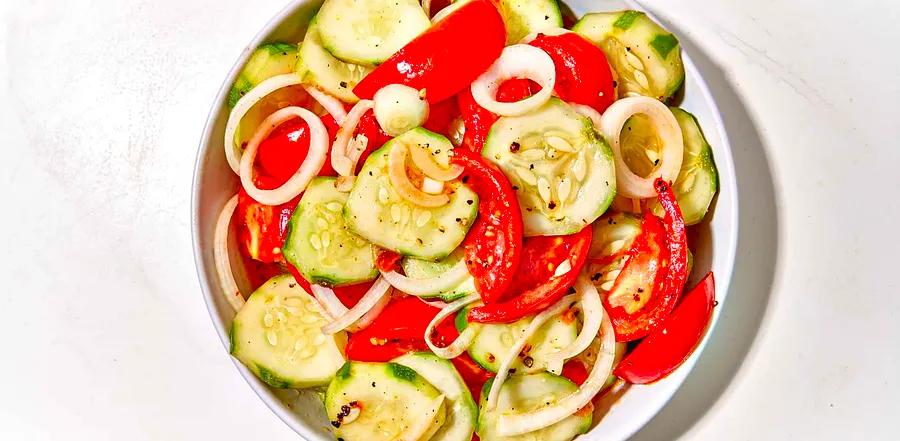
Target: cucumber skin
{"type": "Point", "coordinates": [244, 82]}
{"type": "Point", "coordinates": [412, 250]}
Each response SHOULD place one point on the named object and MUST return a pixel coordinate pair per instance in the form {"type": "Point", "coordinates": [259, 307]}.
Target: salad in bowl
{"type": "Point", "coordinates": [463, 221]}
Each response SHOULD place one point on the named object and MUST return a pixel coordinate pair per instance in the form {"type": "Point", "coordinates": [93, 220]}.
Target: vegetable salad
{"type": "Point", "coordinates": [465, 224]}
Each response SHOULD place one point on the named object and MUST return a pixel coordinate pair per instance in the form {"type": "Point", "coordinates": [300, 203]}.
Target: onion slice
{"type": "Point", "coordinates": [425, 161]}
{"type": "Point", "coordinates": [332, 105]}
{"type": "Point", "coordinates": [465, 338]}
{"type": "Point", "coordinates": [424, 428]}
{"type": "Point", "coordinates": [430, 286]}
{"type": "Point", "coordinates": [592, 308]}
{"type": "Point", "coordinates": [401, 183]}
{"type": "Point", "coordinates": [221, 257]}
{"type": "Point", "coordinates": [589, 112]}
{"type": "Point", "coordinates": [233, 149]}
{"type": "Point", "coordinates": [512, 424]}
{"type": "Point", "coordinates": [668, 130]}
{"type": "Point", "coordinates": [536, 323]}
{"type": "Point", "coordinates": [516, 61]}
{"type": "Point", "coordinates": [341, 161]}
{"type": "Point", "coordinates": [315, 158]}
{"type": "Point", "coordinates": [326, 298]}
{"type": "Point", "coordinates": [376, 293]}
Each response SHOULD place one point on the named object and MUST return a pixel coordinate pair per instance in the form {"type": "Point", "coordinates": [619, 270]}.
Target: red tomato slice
{"type": "Point", "coordinates": [493, 244]}
{"type": "Point", "coordinates": [669, 346]}
{"type": "Point", "coordinates": [400, 328]}
{"type": "Point", "coordinates": [281, 154]}
{"type": "Point", "coordinates": [447, 57]}
{"type": "Point", "coordinates": [262, 228]}
{"type": "Point", "coordinates": [535, 281]}
{"type": "Point", "coordinates": [440, 116]}
{"type": "Point", "coordinates": [387, 260]}
{"type": "Point", "coordinates": [583, 75]}
{"type": "Point", "coordinates": [575, 371]}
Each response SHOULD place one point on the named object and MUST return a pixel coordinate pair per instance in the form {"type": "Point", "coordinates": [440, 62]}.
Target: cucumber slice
{"type": "Point", "coordinates": [422, 269]}
{"type": "Point", "coordinates": [319, 68]}
{"type": "Point", "coordinates": [526, 17]}
{"type": "Point", "coordinates": [562, 187]}
{"type": "Point", "coordinates": [266, 61]}
{"type": "Point", "coordinates": [698, 179]}
{"type": "Point", "coordinates": [378, 401]}
{"type": "Point", "coordinates": [614, 232]}
{"type": "Point", "coordinates": [278, 336]}
{"type": "Point", "coordinates": [646, 57]}
{"type": "Point", "coordinates": [377, 213]}
{"type": "Point", "coordinates": [492, 343]}
{"type": "Point", "coordinates": [370, 31]}
{"type": "Point", "coordinates": [461, 410]}
{"type": "Point", "coordinates": [524, 393]}
{"type": "Point", "coordinates": [319, 243]}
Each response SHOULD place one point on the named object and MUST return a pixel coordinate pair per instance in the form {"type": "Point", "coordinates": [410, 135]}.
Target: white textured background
{"type": "Point", "coordinates": [104, 330]}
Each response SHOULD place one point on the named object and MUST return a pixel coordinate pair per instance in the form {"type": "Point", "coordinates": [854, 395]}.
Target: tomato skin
{"type": "Point", "coordinates": [576, 371]}
{"type": "Point", "coordinates": [387, 260]}
{"type": "Point", "coordinates": [494, 243]}
{"type": "Point", "coordinates": [282, 152]}
{"type": "Point", "coordinates": [399, 329]}
{"type": "Point", "coordinates": [536, 284]}
{"type": "Point", "coordinates": [432, 61]}
{"type": "Point", "coordinates": [262, 228]}
{"type": "Point", "coordinates": [441, 115]}
{"type": "Point", "coordinates": [583, 74]}
{"type": "Point", "coordinates": [668, 347]}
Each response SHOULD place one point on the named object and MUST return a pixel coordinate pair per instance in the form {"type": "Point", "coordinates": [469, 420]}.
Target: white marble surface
{"type": "Point", "coordinates": [105, 333]}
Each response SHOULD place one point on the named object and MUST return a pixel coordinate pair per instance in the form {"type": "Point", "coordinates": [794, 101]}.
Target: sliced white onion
{"type": "Point", "coordinates": [332, 105]}
{"type": "Point", "coordinates": [432, 285]}
{"type": "Point", "coordinates": [516, 61]}
{"type": "Point", "coordinates": [424, 160]}
{"type": "Point", "coordinates": [550, 32]}
{"type": "Point", "coordinates": [589, 299]}
{"type": "Point", "coordinates": [370, 316]}
{"type": "Point", "coordinates": [424, 428]}
{"type": "Point", "coordinates": [611, 124]}
{"type": "Point", "coordinates": [233, 149]}
{"type": "Point", "coordinates": [402, 185]}
{"type": "Point", "coordinates": [589, 112]}
{"type": "Point", "coordinates": [328, 300]}
{"type": "Point", "coordinates": [431, 186]}
{"type": "Point", "coordinates": [220, 255]}
{"type": "Point", "coordinates": [315, 158]}
{"type": "Point", "coordinates": [513, 424]}
{"type": "Point", "coordinates": [400, 108]}
{"type": "Point", "coordinates": [340, 159]}
{"type": "Point", "coordinates": [536, 323]}
{"type": "Point", "coordinates": [465, 338]}
{"type": "Point", "coordinates": [376, 293]}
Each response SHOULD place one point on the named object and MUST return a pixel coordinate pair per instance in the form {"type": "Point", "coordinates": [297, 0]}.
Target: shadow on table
{"type": "Point", "coordinates": [755, 264]}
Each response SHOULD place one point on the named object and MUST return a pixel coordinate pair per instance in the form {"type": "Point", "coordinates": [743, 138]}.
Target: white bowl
{"type": "Point", "coordinates": [625, 414]}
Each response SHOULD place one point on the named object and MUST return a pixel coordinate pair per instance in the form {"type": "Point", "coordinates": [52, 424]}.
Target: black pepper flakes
{"type": "Point", "coordinates": [528, 361]}
{"type": "Point", "coordinates": [571, 290]}
{"type": "Point", "coordinates": [596, 277]}
{"type": "Point", "coordinates": [514, 147]}
{"type": "Point", "coordinates": [551, 205]}
{"type": "Point", "coordinates": [344, 84]}
{"type": "Point", "coordinates": [470, 202]}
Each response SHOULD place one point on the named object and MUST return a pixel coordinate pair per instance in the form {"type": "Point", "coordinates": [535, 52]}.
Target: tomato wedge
{"type": "Point", "coordinates": [447, 57]}
{"type": "Point", "coordinates": [536, 279]}
{"type": "Point", "coordinates": [670, 345]}
{"type": "Point", "coordinates": [648, 287]}
{"type": "Point", "coordinates": [386, 260]}
{"type": "Point", "coordinates": [441, 115]}
{"type": "Point", "coordinates": [494, 243]}
{"type": "Point", "coordinates": [262, 228]}
{"type": "Point", "coordinates": [583, 74]}
{"type": "Point", "coordinates": [399, 329]}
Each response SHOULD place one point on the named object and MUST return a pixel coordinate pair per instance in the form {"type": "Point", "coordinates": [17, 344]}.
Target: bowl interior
{"type": "Point", "coordinates": [622, 412]}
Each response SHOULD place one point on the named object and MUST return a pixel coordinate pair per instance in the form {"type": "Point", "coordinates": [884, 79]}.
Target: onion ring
{"type": "Point", "coordinates": [589, 112]}
{"type": "Point", "coordinates": [612, 122]}
{"type": "Point", "coordinates": [315, 159]}
{"type": "Point", "coordinates": [401, 183]}
{"type": "Point", "coordinates": [589, 299]}
{"type": "Point", "coordinates": [221, 257]}
{"type": "Point", "coordinates": [332, 105]}
{"type": "Point", "coordinates": [516, 61]}
{"type": "Point", "coordinates": [341, 161]}
{"type": "Point", "coordinates": [425, 161]}
{"type": "Point", "coordinates": [464, 339]}
{"type": "Point", "coordinates": [513, 424]}
{"type": "Point", "coordinates": [431, 286]}
{"type": "Point", "coordinates": [377, 293]}
{"type": "Point", "coordinates": [536, 323]}
{"type": "Point", "coordinates": [233, 151]}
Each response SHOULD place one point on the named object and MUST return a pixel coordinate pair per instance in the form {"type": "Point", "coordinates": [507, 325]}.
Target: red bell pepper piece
{"type": "Point", "coordinates": [583, 74]}
{"type": "Point", "coordinates": [447, 57]}
{"type": "Point", "coordinates": [669, 346]}
{"type": "Point", "coordinates": [539, 288]}
{"type": "Point", "coordinates": [494, 243]}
